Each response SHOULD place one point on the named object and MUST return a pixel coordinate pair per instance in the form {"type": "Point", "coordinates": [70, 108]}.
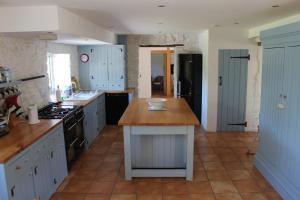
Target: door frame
{"type": "Point", "coordinates": [144, 70]}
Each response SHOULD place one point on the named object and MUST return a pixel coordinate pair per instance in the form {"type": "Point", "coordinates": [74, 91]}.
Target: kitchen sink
{"type": "Point", "coordinates": [83, 95]}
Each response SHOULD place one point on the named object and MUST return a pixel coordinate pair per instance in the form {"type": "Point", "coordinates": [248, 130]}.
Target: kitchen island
{"type": "Point", "coordinates": [159, 143]}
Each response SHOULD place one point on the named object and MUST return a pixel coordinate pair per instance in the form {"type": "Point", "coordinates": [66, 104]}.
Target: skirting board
{"type": "Point", "coordinates": [158, 172]}
{"type": "Point", "coordinates": [279, 182]}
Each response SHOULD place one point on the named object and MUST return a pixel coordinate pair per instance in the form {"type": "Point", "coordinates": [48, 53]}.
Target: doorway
{"type": "Point", "coordinates": [232, 90]}
{"type": "Point", "coordinates": [145, 77]}
{"type": "Point", "coordinates": [162, 73]}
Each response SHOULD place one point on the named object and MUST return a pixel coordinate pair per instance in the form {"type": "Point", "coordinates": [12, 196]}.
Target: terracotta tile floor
{"type": "Point", "coordinates": [222, 171]}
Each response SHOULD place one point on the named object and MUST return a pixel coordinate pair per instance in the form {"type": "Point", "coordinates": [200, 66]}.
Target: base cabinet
{"type": "Point", "coordinates": [36, 172]}
{"type": "Point", "coordinates": [94, 120]}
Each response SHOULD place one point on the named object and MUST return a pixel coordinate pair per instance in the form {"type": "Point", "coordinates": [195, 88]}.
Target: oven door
{"type": "Point", "coordinates": [80, 144]}
{"type": "Point", "coordinates": [70, 139]}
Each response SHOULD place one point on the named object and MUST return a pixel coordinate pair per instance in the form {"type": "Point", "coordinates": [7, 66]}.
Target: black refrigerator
{"type": "Point", "coordinates": [190, 81]}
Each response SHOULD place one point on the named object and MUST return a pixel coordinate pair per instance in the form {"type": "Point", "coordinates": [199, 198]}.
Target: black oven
{"type": "Point", "coordinates": [74, 135]}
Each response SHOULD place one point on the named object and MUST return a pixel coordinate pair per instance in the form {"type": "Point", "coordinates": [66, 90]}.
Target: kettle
{"type": "Point", "coordinates": [4, 75]}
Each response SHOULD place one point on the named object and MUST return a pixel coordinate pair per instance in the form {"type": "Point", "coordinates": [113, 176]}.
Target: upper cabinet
{"type": "Point", "coordinates": [104, 68]}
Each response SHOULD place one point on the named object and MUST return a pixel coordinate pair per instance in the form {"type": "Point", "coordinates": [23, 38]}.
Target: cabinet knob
{"type": "Point", "coordinates": [18, 167]}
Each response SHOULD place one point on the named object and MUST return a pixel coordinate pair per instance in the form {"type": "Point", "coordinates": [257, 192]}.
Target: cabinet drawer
{"type": "Point", "coordinates": [18, 166]}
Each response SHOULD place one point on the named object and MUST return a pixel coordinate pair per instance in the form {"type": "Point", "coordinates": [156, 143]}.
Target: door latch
{"type": "Point", "coordinates": [245, 124]}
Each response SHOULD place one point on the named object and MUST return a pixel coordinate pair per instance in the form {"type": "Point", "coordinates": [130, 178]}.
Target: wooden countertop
{"type": "Point", "coordinates": [178, 113]}
{"type": "Point", "coordinates": [23, 135]}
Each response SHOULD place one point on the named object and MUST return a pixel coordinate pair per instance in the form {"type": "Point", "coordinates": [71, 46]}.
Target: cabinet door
{"type": "Point", "coordinates": [116, 68]}
{"type": "Point", "coordinates": [84, 68]}
{"type": "Point", "coordinates": [58, 159]}
{"type": "Point", "coordinates": [94, 122]}
{"type": "Point", "coordinates": [20, 179]}
{"type": "Point", "coordinates": [42, 178]}
{"type": "Point", "coordinates": [101, 112]}
{"type": "Point", "coordinates": [289, 159]}
{"type": "Point", "coordinates": [102, 68]}
{"type": "Point", "coordinates": [94, 68]}
{"type": "Point", "coordinates": [272, 87]}
{"type": "Point", "coordinates": [87, 125]}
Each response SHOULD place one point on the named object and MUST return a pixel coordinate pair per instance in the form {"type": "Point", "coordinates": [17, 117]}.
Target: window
{"type": "Point", "coordinates": [59, 73]}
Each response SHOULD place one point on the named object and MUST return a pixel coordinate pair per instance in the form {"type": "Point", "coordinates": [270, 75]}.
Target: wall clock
{"type": "Point", "coordinates": [84, 58]}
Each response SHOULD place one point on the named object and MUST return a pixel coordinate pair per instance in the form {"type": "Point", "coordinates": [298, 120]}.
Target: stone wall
{"type": "Point", "coordinates": [28, 57]}
{"type": "Point", "coordinates": [190, 41]}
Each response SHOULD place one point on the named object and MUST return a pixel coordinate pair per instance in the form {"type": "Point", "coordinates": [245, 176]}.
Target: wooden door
{"type": "Point", "coordinates": [272, 88]}
{"type": "Point", "coordinates": [232, 91]}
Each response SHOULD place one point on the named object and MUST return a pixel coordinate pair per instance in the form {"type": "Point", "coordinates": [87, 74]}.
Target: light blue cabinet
{"type": "Point", "coordinates": [105, 69]}
{"type": "Point", "coordinates": [37, 171]}
{"type": "Point", "coordinates": [94, 120]}
{"type": "Point", "coordinates": [278, 151]}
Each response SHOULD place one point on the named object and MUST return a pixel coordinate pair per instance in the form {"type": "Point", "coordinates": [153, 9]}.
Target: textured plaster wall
{"type": "Point", "coordinates": [26, 58]}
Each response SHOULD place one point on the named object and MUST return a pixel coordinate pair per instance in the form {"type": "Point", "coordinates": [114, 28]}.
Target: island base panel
{"type": "Point", "coordinates": [159, 151]}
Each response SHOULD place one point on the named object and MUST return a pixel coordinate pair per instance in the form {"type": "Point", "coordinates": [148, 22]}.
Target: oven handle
{"type": "Point", "coordinates": [71, 127]}
{"type": "Point", "coordinates": [82, 143]}
{"type": "Point", "coordinates": [72, 144]}
{"type": "Point", "coordinates": [81, 118]}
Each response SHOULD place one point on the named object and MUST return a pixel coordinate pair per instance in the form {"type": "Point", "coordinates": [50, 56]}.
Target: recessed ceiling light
{"type": "Point", "coordinates": [159, 32]}
{"type": "Point", "coordinates": [217, 25]}
{"type": "Point", "coordinates": [236, 23]}
{"type": "Point", "coordinates": [159, 23]}
{"type": "Point", "coordinates": [276, 6]}
{"type": "Point", "coordinates": [161, 6]}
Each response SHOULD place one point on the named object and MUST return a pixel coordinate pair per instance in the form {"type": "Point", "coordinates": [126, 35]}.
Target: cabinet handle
{"type": "Point", "coordinates": [122, 77]}
{"type": "Point", "coordinates": [12, 191]}
{"type": "Point", "coordinates": [35, 170]}
{"type": "Point", "coordinates": [285, 96]}
{"type": "Point", "coordinates": [18, 167]}
{"type": "Point", "coordinates": [55, 181]}
{"type": "Point", "coordinates": [51, 154]}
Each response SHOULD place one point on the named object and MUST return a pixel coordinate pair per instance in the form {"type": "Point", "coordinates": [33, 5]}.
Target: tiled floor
{"type": "Point", "coordinates": [222, 171]}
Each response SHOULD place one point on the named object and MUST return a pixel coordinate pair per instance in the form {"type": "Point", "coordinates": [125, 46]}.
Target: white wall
{"type": "Point", "coordinates": [233, 38]}
{"type": "Point", "coordinates": [71, 23]}
{"type": "Point", "coordinates": [27, 58]}
{"type": "Point", "coordinates": [157, 65]}
{"type": "Point", "coordinates": [204, 45]}
{"type": "Point", "coordinates": [53, 19]}
{"type": "Point", "coordinates": [28, 19]}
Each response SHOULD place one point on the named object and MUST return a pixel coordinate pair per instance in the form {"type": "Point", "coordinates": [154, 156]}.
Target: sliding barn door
{"type": "Point", "coordinates": [232, 91]}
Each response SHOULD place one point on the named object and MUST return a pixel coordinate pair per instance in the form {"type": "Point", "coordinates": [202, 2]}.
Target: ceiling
{"type": "Point", "coordinates": [145, 17]}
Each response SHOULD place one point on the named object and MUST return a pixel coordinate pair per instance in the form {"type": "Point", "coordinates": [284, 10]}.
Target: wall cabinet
{"type": "Point", "coordinates": [94, 120]}
{"type": "Point", "coordinates": [105, 69]}
{"type": "Point", "coordinates": [278, 152]}
{"type": "Point", "coordinates": [37, 171]}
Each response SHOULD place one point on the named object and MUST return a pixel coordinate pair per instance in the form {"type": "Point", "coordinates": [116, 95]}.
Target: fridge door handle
{"type": "Point", "coordinates": [179, 89]}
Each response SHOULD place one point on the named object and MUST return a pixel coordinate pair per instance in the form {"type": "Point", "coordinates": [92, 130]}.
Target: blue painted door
{"type": "Point", "coordinates": [94, 67]}
{"type": "Point", "coordinates": [272, 88]}
{"type": "Point", "coordinates": [116, 67]}
{"type": "Point", "coordinates": [289, 136]}
{"type": "Point", "coordinates": [232, 90]}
